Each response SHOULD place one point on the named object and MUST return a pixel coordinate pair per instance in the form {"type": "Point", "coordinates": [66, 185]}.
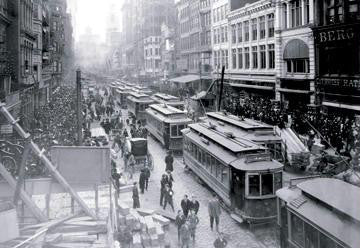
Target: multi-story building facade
{"type": "Point", "coordinates": [152, 55]}
{"type": "Point", "coordinates": [250, 61]}
{"type": "Point", "coordinates": [168, 51]}
{"type": "Point", "coordinates": [337, 51]}
{"type": "Point", "coordinates": [294, 53]}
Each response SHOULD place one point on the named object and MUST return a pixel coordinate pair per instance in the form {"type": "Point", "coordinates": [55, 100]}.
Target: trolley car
{"type": "Point", "coordinates": [142, 89]}
{"type": "Point", "coordinates": [122, 94]}
{"type": "Point", "coordinates": [256, 131]}
{"type": "Point", "coordinates": [319, 212]}
{"type": "Point", "coordinates": [165, 124]}
{"type": "Point", "coordinates": [169, 100]}
{"type": "Point", "coordinates": [241, 172]}
{"type": "Point", "coordinates": [137, 104]}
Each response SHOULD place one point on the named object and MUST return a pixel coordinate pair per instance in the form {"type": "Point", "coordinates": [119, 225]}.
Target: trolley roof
{"type": "Point", "coordinates": [166, 97]}
{"type": "Point", "coordinates": [139, 97]}
{"type": "Point", "coordinates": [167, 114]}
{"type": "Point", "coordinates": [247, 162]}
{"type": "Point", "coordinates": [338, 199]}
{"type": "Point", "coordinates": [247, 124]}
{"type": "Point", "coordinates": [235, 144]}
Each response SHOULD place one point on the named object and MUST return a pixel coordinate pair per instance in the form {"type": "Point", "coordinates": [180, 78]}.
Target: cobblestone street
{"type": "Point", "coordinates": [239, 235]}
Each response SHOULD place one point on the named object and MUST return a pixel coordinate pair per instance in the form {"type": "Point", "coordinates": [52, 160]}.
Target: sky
{"type": "Point", "coordinates": [93, 14]}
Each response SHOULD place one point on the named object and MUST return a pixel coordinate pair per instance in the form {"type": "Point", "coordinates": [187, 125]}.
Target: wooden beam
{"type": "Point", "coordinates": [21, 172]}
{"type": "Point", "coordinates": [23, 195]}
{"type": "Point", "coordinates": [62, 180]}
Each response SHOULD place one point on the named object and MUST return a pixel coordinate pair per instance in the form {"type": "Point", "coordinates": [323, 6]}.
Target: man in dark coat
{"type": "Point", "coordinates": [169, 160]}
{"type": "Point", "coordinates": [214, 209]}
{"type": "Point", "coordinates": [179, 221]}
{"type": "Point", "coordinates": [220, 242]}
{"type": "Point", "coordinates": [135, 196]}
{"type": "Point", "coordinates": [169, 197]}
{"type": "Point", "coordinates": [185, 205]}
{"type": "Point", "coordinates": [142, 179]}
{"type": "Point", "coordinates": [163, 182]}
{"type": "Point", "coordinates": [169, 178]}
{"type": "Point", "coordinates": [147, 176]}
{"type": "Point", "coordinates": [194, 204]}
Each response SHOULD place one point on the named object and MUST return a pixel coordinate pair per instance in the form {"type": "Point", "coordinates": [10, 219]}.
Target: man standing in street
{"type": "Point", "coordinates": [193, 221]}
{"type": "Point", "coordinates": [131, 165]}
{"type": "Point", "coordinates": [185, 235]}
{"type": "Point", "coordinates": [169, 160]}
{"type": "Point", "coordinates": [194, 204]}
{"type": "Point", "coordinates": [179, 221]}
{"type": "Point", "coordinates": [185, 205]}
{"type": "Point", "coordinates": [142, 179]}
{"type": "Point", "coordinates": [214, 212]}
{"type": "Point", "coordinates": [147, 176]}
{"type": "Point", "coordinates": [169, 197]}
{"type": "Point", "coordinates": [220, 242]}
{"type": "Point", "coordinates": [135, 196]}
{"type": "Point", "coordinates": [170, 178]}
{"type": "Point", "coordinates": [163, 182]}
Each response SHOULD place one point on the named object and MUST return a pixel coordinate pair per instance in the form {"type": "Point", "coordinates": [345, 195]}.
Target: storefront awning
{"type": "Point", "coordinates": [341, 105]}
{"type": "Point", "coordinates": [261, 87]}
{"type": "Point", "coordinates": [295, 91]}
{"type": "Point", "coordinates": [296, 49]}
{"type": "Point", "coordinates": [188, 78]}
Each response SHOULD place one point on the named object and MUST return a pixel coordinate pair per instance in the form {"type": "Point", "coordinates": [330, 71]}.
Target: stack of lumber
{"type": "Point", "coordinates": [70, 232]}
{"type": "Point", "coordinates": [147, 228]}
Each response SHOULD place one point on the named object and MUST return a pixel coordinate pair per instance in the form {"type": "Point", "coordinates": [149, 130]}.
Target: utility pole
{"type": "Point", "coordinates": [78, 107]}
{"type": "Point", "coordinates": [221, 88]}
{"type": "Point", "coordinates": [200, 76]}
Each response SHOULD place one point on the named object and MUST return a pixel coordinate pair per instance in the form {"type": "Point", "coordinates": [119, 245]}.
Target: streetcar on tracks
{"type": "Point", "coordinates": [256, 131]}
{"type": "Point", "coordinates": [169, 100]}
{"type": "Point", "coordinates": [319, 212]}
{"type": "Point", "coordinates": [121, 95]}
{"type": "Point", "coordinates": [241, 172]}
{"type": "Point", "coordinates": [165, 124]}
{"type": "Point", "coordinates": [142, 89]}
{"type": "Point", "coordinates": [137, 104]}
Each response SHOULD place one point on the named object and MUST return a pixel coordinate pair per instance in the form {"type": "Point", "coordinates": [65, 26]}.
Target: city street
{"type": "Point", "coordinates": [239, 235]}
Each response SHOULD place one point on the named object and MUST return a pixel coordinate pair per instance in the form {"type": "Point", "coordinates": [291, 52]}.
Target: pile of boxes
{"type": "Point", "coordinates": [147, 228]}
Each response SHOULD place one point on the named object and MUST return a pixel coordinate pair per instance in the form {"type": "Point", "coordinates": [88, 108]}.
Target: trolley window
{"type": "Point", "coordinates": [254, 185]}
{"type": "Point", "coordinates": [264, 184]}
{"type": "Point", "coordinates": [306, 236]}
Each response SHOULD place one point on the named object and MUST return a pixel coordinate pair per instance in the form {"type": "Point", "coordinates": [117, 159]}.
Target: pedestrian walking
{"type": "Point", "coordinates": [214, 212]}
{"type": "Point", "coordinates": [220, 242]}
{"type": "Point", "coordinates": [135, 196]}
{"type": "Point", "coordinates": [193, 221]}
{"type": "Point", "coordinates": [131, 165]}
{"type": "Point", "coordinates": [163, 182]}
{"type": "Point", "coordinates": [194, 204]}
{"type": "Point", "coordinates": [179, 221]}
{"type": "Point", "coordinates": [169, 197]}
{"type": "Point", "coordinates": [169, 178]}
{"type": "Point", "coordinates": [185, 205]}
{"type": "Point", "coordinates": [147, 176]}
{"type": "Point", "coordinates": [142, 179]}
{"type": "Point", "coordinates": [185, 235]}
{"type": "Point", "coordinates": [169, 160]}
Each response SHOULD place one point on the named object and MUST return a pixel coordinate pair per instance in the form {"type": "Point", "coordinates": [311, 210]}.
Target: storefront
{"type": "Point", "coordinates": [337, 51]}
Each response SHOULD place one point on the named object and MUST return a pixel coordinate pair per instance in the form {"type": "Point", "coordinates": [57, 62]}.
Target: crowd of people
{"type": "Point", "coordinates": [332, 129]}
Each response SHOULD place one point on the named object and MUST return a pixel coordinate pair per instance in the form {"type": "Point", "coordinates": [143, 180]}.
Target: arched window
{"type": "Point", "coordinates": [296, 55]}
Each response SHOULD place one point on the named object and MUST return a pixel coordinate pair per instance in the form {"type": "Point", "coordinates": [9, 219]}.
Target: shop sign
{"type": "Point", "coordinates": [339, 34]}
{"type": "Point", "coordinates": [339, 82]}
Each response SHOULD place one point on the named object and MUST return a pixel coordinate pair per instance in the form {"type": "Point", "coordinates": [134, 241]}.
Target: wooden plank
{"type": "Point", "coordinates": [21, 172]}
{"type": "Point", "coordinates": [23, 195]}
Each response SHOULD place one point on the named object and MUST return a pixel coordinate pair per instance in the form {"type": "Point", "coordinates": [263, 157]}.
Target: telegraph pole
{"type": "Point", "coordinates": [78, 107]}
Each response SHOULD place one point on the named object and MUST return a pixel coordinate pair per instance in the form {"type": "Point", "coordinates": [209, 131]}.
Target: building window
{"type": "Point", "coordinates": [262, 27]}
{"type": "Point", "coordinates": [226, 59]}
{"type": "Point", "coordinates": [246, 30]}
{"type": "Point", "coordinates": [226, 34]}
{"type": "Point", "coordinates": [297, 65]}
{"type": "Point", "coordinates": [222, 34]}
{"type": "Point", "coordinates": [215, 36]}
{"type": "Point", "coordinates": [296, 13]}
{"type": "Point", "coordinates": [270, 18]}
{"type": "Point", "coordinates": [271, 56]}
{"type": "Point", "coordinates": [262, 57]}
{"type": "Point", "coordinates": [307, 12]}
{"type": "Point", "coordinates": [233, 34]}
{"type": "Point", "coordinates": [233, 58]}
{"type": "Point", "coordinates": [239, 32]}
{"type": "Point", "coordinates": [284, 16]}
{"type": "Point", "coordinates": [254, 29]}
{"type": "Point", "coordinates": [240, 58]}
{"type": "Point", "coordinates": [254, 57]}
{"type": "Point", "coordinates": [247, 58]}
